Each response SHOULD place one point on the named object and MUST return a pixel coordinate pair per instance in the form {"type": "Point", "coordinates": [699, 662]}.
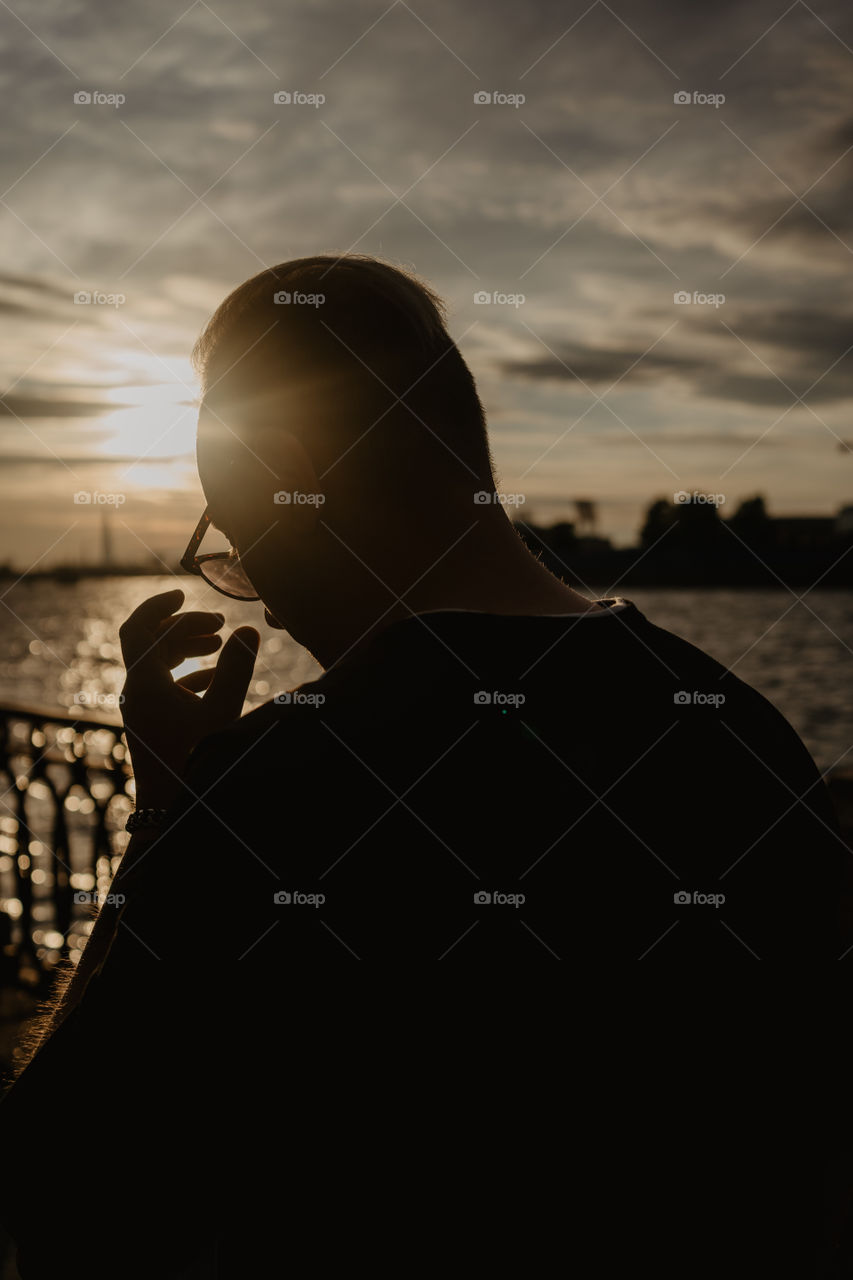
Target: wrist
{"type": "Point", "coordinates": [156, 795]}
{"type": "Point", "coordinates": [157, 788]}
{"type": "Point", "coordinates": [158, 783]}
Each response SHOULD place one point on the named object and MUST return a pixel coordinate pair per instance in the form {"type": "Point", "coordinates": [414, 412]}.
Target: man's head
{"type": "Point", "coordinates": [338, 417]}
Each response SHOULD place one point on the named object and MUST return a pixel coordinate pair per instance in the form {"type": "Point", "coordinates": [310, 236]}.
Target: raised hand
{"type": "Point", "coordinates": [163, 717]}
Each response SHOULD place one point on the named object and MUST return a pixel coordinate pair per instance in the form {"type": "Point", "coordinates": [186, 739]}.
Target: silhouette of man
{"type": "Point", "coordinates": [492, 768]}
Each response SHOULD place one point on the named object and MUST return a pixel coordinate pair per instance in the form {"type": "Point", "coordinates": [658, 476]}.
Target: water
{"type": "Point", "coordinates": [59, 646]}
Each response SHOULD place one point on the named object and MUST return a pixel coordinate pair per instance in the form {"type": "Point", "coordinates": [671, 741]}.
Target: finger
{"type": "Point", "coordinates": [197, 647]}
{"type": "Point", "coordinates": [233, 674]}
{"type": "Point", "coordinates": [194, 623]}
{"type": "Point", "coordinates": [195, 681]}
{"type": "Point", "coordinates": [137, 631]}
{"type": "Point", "coordinates": [152, 610]}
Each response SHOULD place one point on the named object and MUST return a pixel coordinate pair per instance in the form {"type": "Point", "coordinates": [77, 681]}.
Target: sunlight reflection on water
{"type": "Point", "coordinates": [59, 646]}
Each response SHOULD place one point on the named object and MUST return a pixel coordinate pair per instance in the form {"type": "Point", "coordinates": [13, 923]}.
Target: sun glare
{"type": "Point", "coordinates": [155, 413]}
{"type": "Point", "coordinates": [163, 430]}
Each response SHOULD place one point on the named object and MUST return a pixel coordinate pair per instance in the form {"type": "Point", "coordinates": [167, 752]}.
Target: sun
{"type": "Point", "coordinates": [156, 409]}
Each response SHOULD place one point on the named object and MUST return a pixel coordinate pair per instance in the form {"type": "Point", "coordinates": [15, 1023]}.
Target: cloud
{"type": "Point", "coordinates": [599, 365]}
{"type": "Point", "coordinates": [748, 356]}
{"type": "Point", "coordinates": [598, 198]}
{"type": "Point", "coordinates": [24, 406]}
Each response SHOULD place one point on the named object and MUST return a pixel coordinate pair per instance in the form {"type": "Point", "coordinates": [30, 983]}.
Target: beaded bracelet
{"type": "Point", "coordinates": [145, 818]}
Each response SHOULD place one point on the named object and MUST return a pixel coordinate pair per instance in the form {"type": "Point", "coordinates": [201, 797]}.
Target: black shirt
{"type": "Point", "coordinates": [486, 790]}
{"type": "Point", "coordinates": [582, 771]}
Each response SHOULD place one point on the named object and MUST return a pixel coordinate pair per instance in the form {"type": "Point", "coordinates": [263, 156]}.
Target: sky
{"type": "Point", "coordinates": [653, 199]}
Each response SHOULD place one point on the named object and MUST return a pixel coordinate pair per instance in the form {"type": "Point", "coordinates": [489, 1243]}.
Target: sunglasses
{"type": "Point", "coordinates": [221, 569]}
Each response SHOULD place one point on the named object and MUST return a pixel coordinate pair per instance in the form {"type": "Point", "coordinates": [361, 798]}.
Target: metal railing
{"type": "Point", "coordinates": [66, 789]}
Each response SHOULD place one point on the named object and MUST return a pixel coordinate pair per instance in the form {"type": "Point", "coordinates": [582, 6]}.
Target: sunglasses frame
{"type": "Point", "coordinates": [191, 562]}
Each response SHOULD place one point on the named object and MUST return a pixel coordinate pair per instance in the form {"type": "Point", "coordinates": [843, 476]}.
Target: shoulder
{"type": "Point", "coordinates": [255, 735]}
{"type": "Point", "coordinates": [299, 727]}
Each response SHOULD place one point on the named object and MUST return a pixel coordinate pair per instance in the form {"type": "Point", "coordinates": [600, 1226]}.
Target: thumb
{"type": "Point", "coordinates": [230, 683]}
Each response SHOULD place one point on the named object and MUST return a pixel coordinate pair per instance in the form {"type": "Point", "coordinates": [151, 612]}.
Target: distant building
{"type": "Point", "coordinates": [844, 520]}
{"type": "Point", "coordinates": [803, 533]}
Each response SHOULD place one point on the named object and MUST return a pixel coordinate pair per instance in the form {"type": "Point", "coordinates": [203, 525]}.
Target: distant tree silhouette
{"type": "Point", "coordinates": [559, 537]}
{"type": "Point", "coordinates": [562, 534]}
{"type": "Point", "coordinates": [689, 544]}
{"type": "Point", "coordinates": [659, 517]}
{"type": "Point", "coordinates": [697, 527]}
{"type": "Point", "coordinates": [684, 541]}
{"type": "Point", "coordinates": [752, 524]}
{"type": "Point", "coordinates": [587, 514]}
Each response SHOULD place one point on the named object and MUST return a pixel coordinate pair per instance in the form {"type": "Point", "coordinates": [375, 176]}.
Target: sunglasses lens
{"type": "Point", "coordinates": [229, 576]}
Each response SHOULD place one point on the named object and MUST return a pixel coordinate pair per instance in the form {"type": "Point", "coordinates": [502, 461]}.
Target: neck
{"type": "Point", "coordinates": [483, 567]}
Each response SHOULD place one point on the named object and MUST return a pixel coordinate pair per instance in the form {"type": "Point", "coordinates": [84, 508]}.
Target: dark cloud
{"type": "Point", "coordinates": [33, 284]}
{"type": "Point", "coordinates": [596, 366]}
{"type": "Point", "coordinates": [51, 461]}
{"type": "Point", "coordinates": [805, 330]}
{"type": "Point", "coordinates": [31, 296]}
{"type": "Point", "coordinates": [103, 198]}
{"type": "Point", "coordinates": [28, 406]}
{"type": "Point", "coordinates": [801, 346]}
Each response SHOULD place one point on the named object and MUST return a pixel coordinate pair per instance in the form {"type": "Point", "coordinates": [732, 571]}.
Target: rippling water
{"type": "Point", "coordinates": [59, 646]}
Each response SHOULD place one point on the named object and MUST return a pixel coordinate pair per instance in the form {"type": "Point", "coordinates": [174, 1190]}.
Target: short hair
{"type": "Point", "coordinates": [348, 349]}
